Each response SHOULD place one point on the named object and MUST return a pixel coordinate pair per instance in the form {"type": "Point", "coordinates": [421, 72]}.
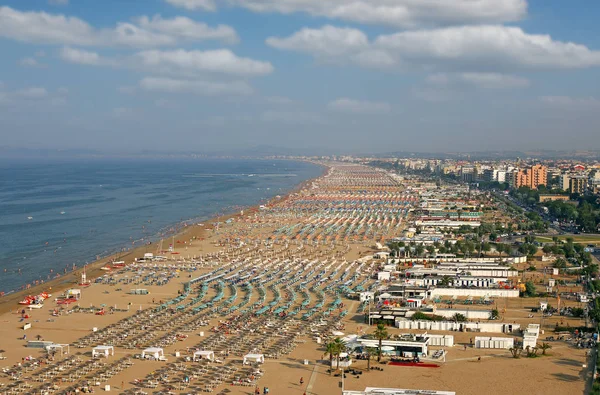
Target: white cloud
{"type": "Point", "coordinates": [58, 2]}
{"type": "Point", "coordinates": [30, 62]}
{"type": "Point", "coordinates": [568, 102]}
{"type": "Point", "coordinates": [204, 88]}
{"type": "Point", "coordinates": [481, 80]}
{"type": "Point", "coordinates": [488, 45]}
{"type": "Point", "coordinates": [471, 48]}
{"type": "Point", "coordinates": [63, 90]}
{"type": "Point", "coordinates": [328, 41]}
{"type": "Point", "coordinates": [187, 28]}
{"type": "Point", "coordinates": [217, 61]}
{"type": "Point", "coordinates": [205, 5]}
{"type": "Point", "coordinates": [398, 13]}
{"type": "Point", "coordinates": [32, 93]}
{"type": "Point", "coordinates": [79, 56]}
{"type": "Point", "coordinates": [45, 28]}
{"type": "Point", "coordinates": [359, 107]}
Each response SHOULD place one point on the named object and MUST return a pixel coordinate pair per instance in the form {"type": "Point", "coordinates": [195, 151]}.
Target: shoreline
{"type": "Point", "coordinates": [93, 270]}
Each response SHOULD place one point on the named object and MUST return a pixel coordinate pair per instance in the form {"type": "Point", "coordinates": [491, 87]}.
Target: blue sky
{"type": "Point", "coordinates": [354, 76]}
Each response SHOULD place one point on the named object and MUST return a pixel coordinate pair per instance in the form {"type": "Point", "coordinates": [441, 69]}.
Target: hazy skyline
{"type": "Point", "coordinates": [356, 76]}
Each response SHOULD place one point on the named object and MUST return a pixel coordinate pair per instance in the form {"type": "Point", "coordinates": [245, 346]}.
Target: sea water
{"type": "Point", "coordinates": [56, 214]}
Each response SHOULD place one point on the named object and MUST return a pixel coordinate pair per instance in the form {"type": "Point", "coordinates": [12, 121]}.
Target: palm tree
{"type": "Point", "coordinates": [370, 351]}
{"type": "Point", "coordinates": [380, 334]}
{"type": "Point", "coordinates": [330, 349]}
{"type": "Point", "coordinates": [338, 347]}
{"type": "Point", "coordinates": [544, 347]}
{"type": "Point", "coordinates": [515, 351]}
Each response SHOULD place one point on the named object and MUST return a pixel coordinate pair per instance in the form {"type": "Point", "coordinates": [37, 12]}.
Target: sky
{"type": "Point", "coordinates": [349, 76]}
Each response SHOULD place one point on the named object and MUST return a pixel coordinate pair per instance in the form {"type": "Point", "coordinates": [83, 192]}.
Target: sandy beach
{"type": "Point", "coordinates": [269, 282]}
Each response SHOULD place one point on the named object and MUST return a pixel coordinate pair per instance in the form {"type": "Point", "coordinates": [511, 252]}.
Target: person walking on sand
{"type": "Point", "coordinates": [301, 380]}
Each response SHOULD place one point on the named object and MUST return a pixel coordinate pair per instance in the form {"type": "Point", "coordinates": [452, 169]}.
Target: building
{"type": "Point", "coordinates": [577, 184]}
{"type": "Point", "coordinates": [511, 178]}
{"type": "Point", "coordinates": [490, 175]}
{"type": "Point", "coordinates": [532, 177]}
{"type": "Point", "coordinates": [549, 198]}
{"type": "Point", "coordinates": [468, 173]}
{"type": "Point", "coordinates": [565, 180]}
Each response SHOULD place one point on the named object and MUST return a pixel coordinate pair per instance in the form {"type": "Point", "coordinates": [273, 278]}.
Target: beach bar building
{"type": "Point", "coordinates": [253, 358]}
{"type": "Point", "coordinates": [156, 353]}
{"type": "Point", "coordinates": [204, 354]}
{"type": "Point", "coordinates": [408, 346]}
{"type": "Point", "coordinates": [103, 351]}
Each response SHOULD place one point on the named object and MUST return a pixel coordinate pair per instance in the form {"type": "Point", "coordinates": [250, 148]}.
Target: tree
{"type": "Point", "coordinates": [445, 281]}
{"type": "Point", "coordinates": [516, 352]}
{"type": "Point", "coordinates": [560, 263]}
{"type": "Point", "coordinates": [419, 250]}
{"type": "Point", "coordinates": [338, 347]}
{"type": "Point", "coordinates": [544, 347]}
{"type": "Point", "coordinates": [458, 317]}
{"type": "Point", "coordinates": [380, 334]}
{"type": "Point", "coordinates": [330, 349]}
{"type": "Point", "coordinates": [530, 289]}
{"type": "Point", "coordinates": [370, 352]}
{"type": "Point", "coordinates": [430, 249]}
{"type": "Point", "coordinates": [531, 351]}
{"type": "Point", "coordinates": [494, 314]}
{"type": "Point", "coordinates": [594, 315]}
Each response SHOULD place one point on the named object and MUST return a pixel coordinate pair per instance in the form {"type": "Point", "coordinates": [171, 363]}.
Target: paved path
{"type": "Point", "coordinates": [313, 378]}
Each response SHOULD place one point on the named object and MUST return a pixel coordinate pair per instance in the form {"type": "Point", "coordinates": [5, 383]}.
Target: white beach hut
{"type": "Point", "coordinates": [57, 347]}
{"type": "Point", "coordinates": [204, 354]}
{"type": "Point", "coordinates": [254, 358]}
{"type": "Point", "coordinates": [103, 351]}
{"type": "Point", "coordinates": [154, 353]}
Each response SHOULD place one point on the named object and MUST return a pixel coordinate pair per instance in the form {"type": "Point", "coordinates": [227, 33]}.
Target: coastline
{"type": "Point", "coordinates": [93, 270]}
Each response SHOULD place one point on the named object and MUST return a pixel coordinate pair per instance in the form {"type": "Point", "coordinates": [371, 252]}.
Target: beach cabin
{"type": "Point", "coordinates": [383, 276]}
{"type": "Point", "coordinates": [139, 292]}
{"type": "Point", "coordinates": [39, 343]}
{"type": "Point", "coordinates": [200, 355]}
{"type": "Point", "coordinates": [155, 353]}
{"type": "Point", "coordinates": [57, 347]}
{"type": "Point", "coordinates": [103, 351]}
{"type": "Point", "coordinates": [73, 294]}
{"type": "Point", "coordinates": [366, 296]}
{"type": "Point", "coordinates": [254, 358]}
{"type": "Point", "coordinates": [494, 342]}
